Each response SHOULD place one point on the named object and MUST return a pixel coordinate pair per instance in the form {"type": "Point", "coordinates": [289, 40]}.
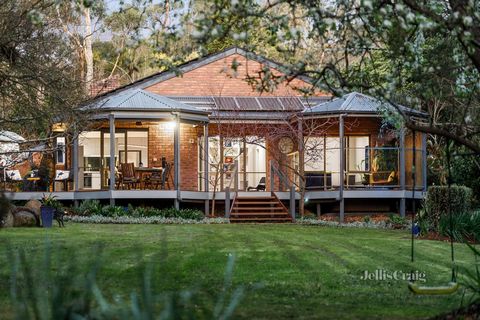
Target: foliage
{"type": "Point", "coordinates": [465, 226]}
{"type": "Point", "coordinates": [99, 219]}
{"type": "Point", "coordinates": [466, 171]}
{"type": "Point", "coordinates": [87, 208]}
{"type": "Point", "coordinates": [438, 201]}
{"type": "Point", "coordinates": [38, 84]}
{"type": "Point", "coordinates": [51, 201]}
{"type": "Point", "coordinates": [93, 207]}
{"type": "Point", "coordinates": [5, 206]}
{"type": "Point", "coordinates": [47, 293]}
{"type": "Point", "coordinates": [397, 220]}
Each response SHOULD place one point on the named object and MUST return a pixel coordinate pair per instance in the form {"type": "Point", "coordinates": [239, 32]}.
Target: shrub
{"type": "Point", "coordinates": [437, 202]}
{"type": "Point", "coordinates": [114, 211]}
{"type": "Point", "coordinates": [366, 219]}
{"type": "Point", "coordinates": [465, 226]}
{"type": "Point", "coordinates": [88, 208]}
{"type": "Point", "coordinates": [5, 206]}
{"type": "Point", "coordinates": [397, 220]}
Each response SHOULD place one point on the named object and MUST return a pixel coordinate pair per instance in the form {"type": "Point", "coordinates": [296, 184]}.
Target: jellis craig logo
{"type": "Point", "coordinates": [398, 275]}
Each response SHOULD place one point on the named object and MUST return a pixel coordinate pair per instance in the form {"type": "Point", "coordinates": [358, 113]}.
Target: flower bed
{"type": "Point", "coordinates": [142, 220]}
{"type": "Point", "coordinates": [372, 224]}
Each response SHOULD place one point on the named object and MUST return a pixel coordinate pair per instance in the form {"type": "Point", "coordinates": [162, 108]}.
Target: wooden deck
{"type": "Point", "coordinates": [197, 195]}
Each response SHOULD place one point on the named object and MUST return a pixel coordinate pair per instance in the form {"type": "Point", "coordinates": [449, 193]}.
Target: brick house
{"type": "Point", "coordinates": [224, 139]}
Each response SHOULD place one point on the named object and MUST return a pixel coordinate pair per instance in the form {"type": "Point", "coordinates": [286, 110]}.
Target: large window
{"type": "Point", "coordinates": [249, 152]}
{"type": "Point", "coordinates": [94, 154]}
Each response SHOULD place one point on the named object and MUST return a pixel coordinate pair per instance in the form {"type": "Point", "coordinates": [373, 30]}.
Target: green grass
{"type": "Point", "coordinates": [302, 271]}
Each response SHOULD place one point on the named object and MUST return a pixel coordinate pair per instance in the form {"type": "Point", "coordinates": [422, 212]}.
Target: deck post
{"type": "Point", "coordinates": [402, 208]}
{"type": "Point", "coordinates": [319, 210]}
{"type": "Point", "coordinates": [75, 161]}
{"type": "Point", "coordinates": [111, 119]}
{"type": "Point", "coordinates": [227, 202]}
{"type": "Point", "coordinates": [75, 166]}
{"type": "Point", "coordinates": [205, 167]}
{"type": "Point", "coordinates": [176, 160]}
{"type": "Point", "coordinates": [342, 165]}
{"type": "Point", "coordinates": [235, 178]}
{"type": "Point", "coordinates": [292, 202]}
{"type": "Point", "coordinates": [424, 160]}
{"type": "Point", "coordinates": [272, 179]}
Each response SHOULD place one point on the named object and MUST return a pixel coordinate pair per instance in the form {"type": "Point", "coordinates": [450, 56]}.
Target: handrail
{"type": "Point", "coordinates": [228, 206]}
{"type": "Point", "coordinates": [275, 170]}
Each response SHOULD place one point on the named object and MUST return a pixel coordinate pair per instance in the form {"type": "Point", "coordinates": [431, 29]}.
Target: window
{"type": "Point", "coordinates": [60, 150]}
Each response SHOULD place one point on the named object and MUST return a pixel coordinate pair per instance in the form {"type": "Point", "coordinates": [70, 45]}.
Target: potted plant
{"type": "Point", "coordinates": [49, 205]}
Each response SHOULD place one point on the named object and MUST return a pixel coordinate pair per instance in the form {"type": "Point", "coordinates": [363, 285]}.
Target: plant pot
{"type": "Point", "coordinates": [46, 214]}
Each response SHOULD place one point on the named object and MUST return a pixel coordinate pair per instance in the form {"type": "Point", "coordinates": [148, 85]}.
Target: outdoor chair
{"type": "Point", "coordinates": [128, 179]}
{"type": "Point", "coordinates": [13, 177]}
{"type": "Point", "coordinates": [63, 176]}
{"type": "Point", "coordinates": [260, 187]}
{"type": "Point", "coordinates": [160, 180]}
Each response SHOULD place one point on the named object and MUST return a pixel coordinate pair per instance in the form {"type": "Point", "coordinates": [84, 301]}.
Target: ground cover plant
{"type": "Point", "coordinates": [285, 271]}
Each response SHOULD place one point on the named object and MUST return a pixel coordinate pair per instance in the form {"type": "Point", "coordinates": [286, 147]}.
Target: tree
{"type": "Point", "coordinates": [397, 51]}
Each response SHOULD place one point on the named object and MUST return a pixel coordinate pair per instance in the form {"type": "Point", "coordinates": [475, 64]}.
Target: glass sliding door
{"type": "Point", "coordinates": [255, 162]}
{"type": "Point", "coordinates": [120, 140]}
{"type": "Point", "coordinates": [89, 160]}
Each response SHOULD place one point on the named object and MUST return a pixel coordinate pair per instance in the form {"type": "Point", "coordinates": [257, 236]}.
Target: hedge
{"type": "Point", "coordinates": [437, 201]}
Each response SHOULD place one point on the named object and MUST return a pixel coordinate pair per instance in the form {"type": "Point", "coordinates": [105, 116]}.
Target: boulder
{"type": "Point", "coordinates": [34, 206]}
{"type": "Point", "coordinates": [7, 221]}
{"type": "Point", "coordinates": [24, 218]}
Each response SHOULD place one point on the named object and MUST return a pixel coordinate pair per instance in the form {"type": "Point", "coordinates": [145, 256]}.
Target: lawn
{"type": "Point", "coordinates": [289, 271]}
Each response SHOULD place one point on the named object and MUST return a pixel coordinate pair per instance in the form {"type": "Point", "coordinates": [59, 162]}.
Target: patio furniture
{"type": "Point", "coordinates": [63, 176]}
{"type": "Point", "coordinates": [145, 173]}
{"type": "Point", "coordinates": [318, 180]}
{"type": "Point", "coordinates": [260, 187]}
{"type": "Point", "coordinates": [13, 177]}
{"type": "Point", "coordinates": [127, 176]}
{"type": "Point", "coordinates": [160, 179]}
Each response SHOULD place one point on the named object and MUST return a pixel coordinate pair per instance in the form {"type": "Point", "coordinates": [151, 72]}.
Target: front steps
{"type": "Point", "coordinates": [259, 209]}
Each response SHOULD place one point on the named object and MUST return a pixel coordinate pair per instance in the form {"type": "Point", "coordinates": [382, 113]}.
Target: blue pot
{"type": "Point", "coordinates": [47, 216]}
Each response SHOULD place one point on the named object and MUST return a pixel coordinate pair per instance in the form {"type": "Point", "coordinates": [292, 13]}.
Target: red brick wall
{"type": "Point", "coordinates": [218, 79]}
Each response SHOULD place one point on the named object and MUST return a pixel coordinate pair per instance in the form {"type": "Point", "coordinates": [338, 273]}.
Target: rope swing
{"type": "Point", "coordinates": [452, 286]}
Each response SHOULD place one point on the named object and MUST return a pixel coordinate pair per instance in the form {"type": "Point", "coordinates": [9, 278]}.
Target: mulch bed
{"type": "Point", "coordinates": [471, 312]}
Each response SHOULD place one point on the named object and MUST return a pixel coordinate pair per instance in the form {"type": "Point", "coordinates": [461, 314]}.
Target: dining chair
{"type": "Point", "coordinates": [128, 177]}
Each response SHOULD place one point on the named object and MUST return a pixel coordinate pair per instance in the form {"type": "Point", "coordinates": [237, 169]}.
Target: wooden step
{"type": "Point", "coordinates": [273, 213]}
{"type": "Point", "coordinates": [259, 219]}
{"type": "Point", "coordinates": [257, 202]}
{"type": "Point", "coordinates": [255, 198]}
{"type": "Point", "coordinates": [256, 208]}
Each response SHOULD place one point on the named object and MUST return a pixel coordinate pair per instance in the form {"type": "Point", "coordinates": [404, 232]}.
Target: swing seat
{"type": "Point", "coordinates": [452, 287]}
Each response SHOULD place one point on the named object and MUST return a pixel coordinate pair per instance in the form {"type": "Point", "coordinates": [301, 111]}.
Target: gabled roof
{"type": "Point", "coordinates": [197, 63]}
{"type": "Point", "coordinates": [355, 102]}
{"type": "Point", "coordinates": [12, 137]}
{"type": "Point", "coordinates": [141, 100]}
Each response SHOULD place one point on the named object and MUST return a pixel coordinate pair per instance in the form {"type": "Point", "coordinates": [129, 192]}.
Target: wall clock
{"type": "Point", "coordinates": [285, 145]}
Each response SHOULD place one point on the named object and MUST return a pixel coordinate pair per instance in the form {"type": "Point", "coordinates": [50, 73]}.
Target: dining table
{"type": "Point", "coordinates": [147, 171]}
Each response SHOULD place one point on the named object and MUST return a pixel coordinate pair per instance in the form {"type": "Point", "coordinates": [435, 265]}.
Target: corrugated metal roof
{"type": "Point", "coordinates": [9, 136]}
{"type": "Point", "coordinates": [143, 100]}
{"type": "Point", "coordinates": [355, 102]}
{"type": "Point", "coordinates": [247, 103]}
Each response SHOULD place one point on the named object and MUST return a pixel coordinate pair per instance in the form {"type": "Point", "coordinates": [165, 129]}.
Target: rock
{"type": "Point", "coordinates": [34, 205]}
{"type": "Point", "coordinates": [24, 217]}
{"type": "Point", "coordinates": [8, 221]}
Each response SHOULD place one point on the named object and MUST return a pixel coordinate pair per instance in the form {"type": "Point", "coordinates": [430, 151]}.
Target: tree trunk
{"type": "Point", "coordinates": [88, 49]}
